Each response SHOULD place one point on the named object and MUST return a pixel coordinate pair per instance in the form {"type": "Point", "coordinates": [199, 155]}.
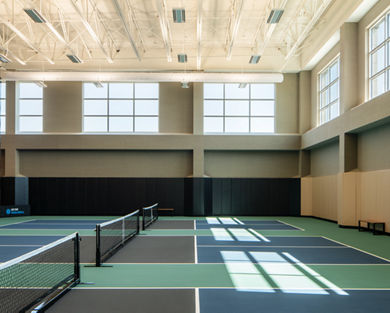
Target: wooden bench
{"type": "Point", "coordinates": [166, 210]}
{"type": "Point", "coordinates": [372, 225]}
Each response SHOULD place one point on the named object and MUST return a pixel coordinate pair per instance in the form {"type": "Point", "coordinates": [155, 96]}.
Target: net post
{"type": "Point", "coordinates": [98, 254]}
{"type": "Point", "coordinates": [138, 226]}
{"type": "Point", "coordinates": [77, 257]}
{"type": "Point", "coordinates": [143, 219]}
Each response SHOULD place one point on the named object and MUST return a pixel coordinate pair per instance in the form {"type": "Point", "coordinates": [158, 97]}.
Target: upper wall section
{"type": "Point", "coordinates": [325, 160]}
{"type": "Point", "coordinates": [179, 108]}
{"type": "Point", "coordinates": [373, 149]}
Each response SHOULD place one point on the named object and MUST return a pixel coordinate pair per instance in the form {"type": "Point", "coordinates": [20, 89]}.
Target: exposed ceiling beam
{"type": "Point", "coordinates": [165, 30]}
{"type": "Point", "coordinates": [233, 26]}
{"type": "Point", "coordinates": [316, 14]}
{"type": "Point", "coordinates": [265, 30]}
{"type": "Point", "coordinates": [224, 77]}
{"type": "Point", "coordinates": [90, 30]}
{"type": "Point", "coordinates": [126, 28]}
{"type": "Point", "coordinates": [25, 39]}
{"type": "Point", "coordinates": [199, 24]}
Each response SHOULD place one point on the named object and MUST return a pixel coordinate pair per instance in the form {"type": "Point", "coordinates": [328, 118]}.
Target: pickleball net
{"type": "Point", "coordinates": [35, 280]}
{"type": "Point", "coordinates": [149, 215]}
{"type": "Point", "coordinates": [112, 235]}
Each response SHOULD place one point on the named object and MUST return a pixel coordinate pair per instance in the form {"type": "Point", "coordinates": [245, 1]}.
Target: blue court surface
{"type": "Point", "coordinates": [288, 301]}
{"type": "Point", "coordinates": [54, 224]}
{"type": "Point", "coordinates": [15, 246]}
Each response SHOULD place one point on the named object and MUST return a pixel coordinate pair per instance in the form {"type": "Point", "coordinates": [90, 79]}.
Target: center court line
{"type": "Point", "coordinates": [291, 225]}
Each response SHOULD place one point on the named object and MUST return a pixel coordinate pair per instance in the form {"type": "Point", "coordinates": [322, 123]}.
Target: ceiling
{"type": "Point", "coordinates": [140, 35]}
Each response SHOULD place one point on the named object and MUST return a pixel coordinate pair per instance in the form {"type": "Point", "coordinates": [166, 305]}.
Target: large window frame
{"type": "Point", "coordinates": [133, 117]}
{"type": "Point", "coordinates": [30, 116]}
{"type": "Point", "coordinates": [268, 119]}
{"type": "Point", "coordinates": [329, 92]}
{"type": "Point", "coordinates": [378, 52]}
{"type": "Point", "coordinates": [3, 106]}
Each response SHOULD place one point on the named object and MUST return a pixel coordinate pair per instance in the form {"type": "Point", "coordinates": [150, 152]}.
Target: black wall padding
{"type": "Point", "coordinates": [188, 196]}
{"type": "Point", "coordinates": [14, 190]}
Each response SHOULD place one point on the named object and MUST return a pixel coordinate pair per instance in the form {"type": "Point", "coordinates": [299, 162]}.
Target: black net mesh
{"type": "Point", "coordinates": [38, 275]}
{"type": "Point", "coordinates": [149, 215]}
{"type": "Point", "coordinates": [111, 235]}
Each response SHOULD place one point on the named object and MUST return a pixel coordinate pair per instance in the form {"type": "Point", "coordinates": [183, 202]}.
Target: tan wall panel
{"type": "Point", "coordinates": [307, 196]}
{"type": "Point", "coordinates": [176, 111]}
{"type": "Point", "coordinates": [62, 107]}
{"type": "Point", "coordinates": [251, 163]}
{"type": "Point", "coordinates": [347, 198]}
{"type": "Point", "coordinates": [325, 160]}
{"type": "Point", "coordinates": [374, 196]}
{"type": "Point", "coordinates": [325, 197]}
{"type": "Point", "coordinates": [105, 163]}
{"type": "Point", "coordinates": [287, 105]}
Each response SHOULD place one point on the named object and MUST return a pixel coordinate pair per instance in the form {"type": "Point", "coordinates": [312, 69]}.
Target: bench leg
{"type": "Point", "coordinates": [359, 228]}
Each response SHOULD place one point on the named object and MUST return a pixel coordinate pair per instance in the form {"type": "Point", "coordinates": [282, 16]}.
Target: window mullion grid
{"type": "Point", "coordinates": [133, 101]}
{"type": "Point", "coordinates": [224, 113]}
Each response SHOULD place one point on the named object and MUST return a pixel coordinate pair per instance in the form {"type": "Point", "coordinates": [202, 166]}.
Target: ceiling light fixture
{"type": "Point", "coordinates": [74, 58]}
{"type": "Point", "coordinates": [242, 85]}
{"type": "Point", "coordinates": [275, 16]}
{"type": "Point", "coordinates": [182, 58]}
{"type": "Point", "coordinates": [254, 59]}
{"type": "Point", "coordinates": [185, 85]}
{"type": "Point", "coordinates": [179, 15]}
{"type": "Point", "coordinates": [40, 84]}
{"type": "Point", "coordinates": [98, 84]}
{"type": "Point", "coordinates": [4, 59]}
{"type": "Point", "coordinates": [35, 15]}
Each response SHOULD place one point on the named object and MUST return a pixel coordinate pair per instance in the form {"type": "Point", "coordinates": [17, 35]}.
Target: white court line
{"type": "Point", "coordinates": [238, 221]}
{"type": "Point", "coordinates": [21, 245]}
{"type": "Point", "coordinates": [266, 247]}
{"type": "Point", "coordinates": [259, 235]}
{"type": "Point", "coordinates": [372, 254]}
{"type": "Point", "coordinates": [16, 223]}
{"type": "Point", "coordinates": [208, 287]}
{"type": "Point", "coordinates": [291, 225]}
{"type": "Point", "coordinates": [197, 303]}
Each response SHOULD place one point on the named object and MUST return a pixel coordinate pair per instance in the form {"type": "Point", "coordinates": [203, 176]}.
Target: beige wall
{"type": "Point", "coordinates": [286, 108]}
{"type": "Point", "coordinates": [251, 163]}
{"type": "Point", "coordinates": [324, 197]}
{"type": "Point", "coordinates": [62, 107]}
{"type": "Point", "coordinates": [52, 163]}
{"type": "Point", "coordinates": [175, 108]}
{"type": "Point", "coordinates": [325, 160]}
{"type": "Point", "coordinates": [374, 149]}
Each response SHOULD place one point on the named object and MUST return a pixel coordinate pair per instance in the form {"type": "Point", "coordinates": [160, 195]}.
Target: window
{"type": "Point", "coordinates": [120, 107]}
{"type": "Point", "coordinates": [231, 109]}
{"type": "Point", "coordinates": [329, 94]}
{"type": "Point", "coordinates": [30, 98]}
{"type": "Point", "coordinates": [379, 57]}
{"type": "Point", "coordinates": [2, 107]}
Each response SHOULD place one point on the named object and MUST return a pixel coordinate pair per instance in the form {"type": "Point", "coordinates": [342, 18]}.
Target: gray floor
{"type": "Point", "coordinates": [162, 224]}
{"type": "Point", "coordinates": [126, 301]}
{"type": "Point", "coordinates": [156, 249]}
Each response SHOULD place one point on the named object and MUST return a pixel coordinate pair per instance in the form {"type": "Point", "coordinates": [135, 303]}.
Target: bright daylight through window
{"type": "Point", "coordinates": [231, 109]}
{"type": "Point", "coordinates": [30, 108]}
{"type": "Point", "coordinates": [379, 57]}
{"type": "Point", "coordinates": [329, 95]}
{"type": "Point", "coordinates": [120, 107]}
